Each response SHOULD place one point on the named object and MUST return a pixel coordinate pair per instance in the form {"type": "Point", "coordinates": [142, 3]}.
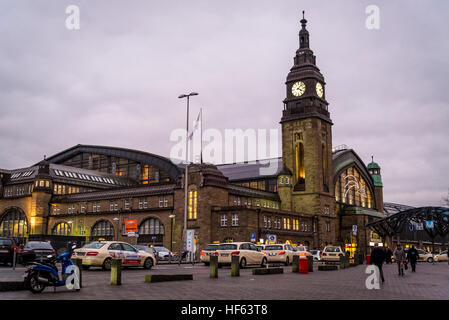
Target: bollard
{"type": "Point", "coordinates": [116, 272]}
{"type": "Point", "coordinates": [235, 266]}
{"type": "Point", "coordinates": [14, 259]}
{"type": "Point", "coordinates": [295, 264]}
{"type": "Point", "coordinates": [310, 258]}
{"type": "Point", "coordinates": [342, 262]}
{"type": "Point", "coordinates": [79, 263]}
{"type": "Point", "coordinates": [214, 266]}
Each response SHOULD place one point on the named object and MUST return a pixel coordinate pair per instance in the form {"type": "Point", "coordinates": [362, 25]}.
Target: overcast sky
{"type": "Point", "coordinates": [116, 80]}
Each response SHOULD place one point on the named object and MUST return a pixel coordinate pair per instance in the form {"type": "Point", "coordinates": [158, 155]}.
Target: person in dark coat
{"type": "Point", "coordinates": [412, 257]}
{"type": "Point", "coordinates": [378, 258]}
{"type": "Point", "coordinates": [388, 255]}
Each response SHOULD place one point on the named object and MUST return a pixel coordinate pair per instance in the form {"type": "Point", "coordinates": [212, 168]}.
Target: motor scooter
{"type": "Point", "coordinates": [39, 276]}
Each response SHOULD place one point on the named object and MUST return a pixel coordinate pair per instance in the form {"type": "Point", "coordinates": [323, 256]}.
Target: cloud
{"type": "Point", "coordinates": [116, 80]}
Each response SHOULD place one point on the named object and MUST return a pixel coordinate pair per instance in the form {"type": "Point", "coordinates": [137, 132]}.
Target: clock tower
{"type": "Point", "coordinates": [307, 140]}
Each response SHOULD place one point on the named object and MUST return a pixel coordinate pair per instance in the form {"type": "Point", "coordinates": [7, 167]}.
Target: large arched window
{"type": "Point", "coordinates": [352, 189]}
{"type": "Point", "coordinates": [300, 171]}
{"type": "Point", "coordinates": [14, 224]}
{"type": "Point", "coordinates": [61, 229]}
{"type": "Point", "coordinates": [102, 228]}
{"type": "Point", "coordinates": [151, 226]}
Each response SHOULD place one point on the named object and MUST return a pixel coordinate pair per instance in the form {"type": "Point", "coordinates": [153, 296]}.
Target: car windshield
{"type": "Point", "coordinates": [332, 249]}
{"type": "Point", "coordinates": [39, 245]}
{"type": "Point", "coordinates": [161, 249]}
{"type": "Point", "coordinates": [273, 248]}
{"type": "Point", "coordinates": [211, 247]}
{"type": "Point", "coordinates": [314, 251]}
{"type": "Point", "coordinates": [5, 242]}
{"type": "Point", "coordinates": [227, 247]}
{"type": "Point", "coordinates": [94, 245]}
{"type": "Point", "coordinates": [300, 249]}
{"type": "Point", "coordinates": [143, 248]}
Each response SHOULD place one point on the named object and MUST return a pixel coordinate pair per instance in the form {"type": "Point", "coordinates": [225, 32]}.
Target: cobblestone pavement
{"type": "Point", "coordinates": [429, 282]}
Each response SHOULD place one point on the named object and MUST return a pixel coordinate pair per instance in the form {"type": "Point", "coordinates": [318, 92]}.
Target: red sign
{"type": "Point", "coordinates": [130, 225]}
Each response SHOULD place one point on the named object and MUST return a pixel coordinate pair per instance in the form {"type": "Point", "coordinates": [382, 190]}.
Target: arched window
{"type": "Point", "coordinates": [352, 189]}
{"type": "Point", "coordinates": [61, 229]}
{"type": "Point", "coordinates": [151, 226]}
{"type": "Point", "coordinates": [300, 171]}
{"type": "Point", "coordinates": [103, 228]}
{"type": "Point", "coordinates": [13, 224]}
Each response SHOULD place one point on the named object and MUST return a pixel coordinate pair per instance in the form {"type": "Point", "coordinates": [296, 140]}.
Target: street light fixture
{"type": "Point", "coordinates": [172, 216]}
{"type": "Point", "coordinates": [116, 232]}
{"type": "Point", "coordinates": [187, 165]}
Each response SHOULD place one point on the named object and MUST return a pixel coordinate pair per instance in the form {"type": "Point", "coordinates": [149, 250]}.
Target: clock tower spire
{"type": "Point", "coordinates": [307, 141]}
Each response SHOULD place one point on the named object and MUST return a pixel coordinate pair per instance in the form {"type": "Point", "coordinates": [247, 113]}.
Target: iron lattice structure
{"type": "Point", "coordinates": [396, 223]}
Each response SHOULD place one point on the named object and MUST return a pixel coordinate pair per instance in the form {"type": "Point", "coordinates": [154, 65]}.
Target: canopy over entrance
{"type": "Point", "coordinates": [434, 221]}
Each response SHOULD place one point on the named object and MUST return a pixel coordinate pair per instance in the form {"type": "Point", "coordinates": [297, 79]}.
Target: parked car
{"type": "Point", "coordinates": [101, 253]}
{"type": "Point", "coordinates": [207, 252]}
{"type": "Point", "coordinates": [316, 255]}
{"type": "Point", "coordinates": [280, 253]}
{"type": "Point", "coordinates": [35, 251]}
{"type": "Point", "coordinates": [162, 253]}
{"type": "Point", "coordinates": [7, 247]}
{"type": "Point", "coordinates": [248, 254]}
{"type": "Point", "coordinates": [442, 256]}
{"type": "Point", "coordinates": [302, 252]}
{"type": "Point", "coordinates": [332, 253]}
{"type": "Point", "coordinates": [424, 256]}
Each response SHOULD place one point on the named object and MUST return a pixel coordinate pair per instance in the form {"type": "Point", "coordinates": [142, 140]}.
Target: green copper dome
{"type": "Point", "coordinates": [373, 165]}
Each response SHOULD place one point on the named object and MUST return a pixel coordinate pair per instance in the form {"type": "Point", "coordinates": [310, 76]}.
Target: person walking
{"type": "Point", "coordinates": [412, 257]}
{"type": "Point", "coordinates": [378, 258]}
{"type": "Point", "coordinates": [399, 256]}
{"type": "Point", "coordinates": [388, 255]}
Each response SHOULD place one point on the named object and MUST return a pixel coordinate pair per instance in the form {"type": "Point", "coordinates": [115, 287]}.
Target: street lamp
{"type": "Point", "coordinates": [187, 165]}
{"type": "Point", "coordinates": [116, 231]}
{"type": "Point", "coordinates": [172, 216]}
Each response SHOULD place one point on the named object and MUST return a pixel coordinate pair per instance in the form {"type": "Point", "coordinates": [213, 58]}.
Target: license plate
{"type": "Point", "coordinates": [224, 254]}
{"type": "Point", "coordinates": [272, 254]}
{"type": "Point", "coordinates": [80, 253]}
{"type": "Point", "coordinates": [332, 254]}
{"type": "Point", "coordinates": [4, 251]}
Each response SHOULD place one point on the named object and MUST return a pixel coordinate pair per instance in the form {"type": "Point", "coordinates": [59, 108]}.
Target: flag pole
{"type": "Point", "coordinates": [201, 136]}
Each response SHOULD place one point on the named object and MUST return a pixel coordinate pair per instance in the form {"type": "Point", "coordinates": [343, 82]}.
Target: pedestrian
{"type": "Point", "coordinates": [399, 256]}
{"type": "Point", "coordinates": [388, 254]}
{"type": "Point", "coordinates": [412, 257]}
{"type": "Point", "coordinates": [378, 258]}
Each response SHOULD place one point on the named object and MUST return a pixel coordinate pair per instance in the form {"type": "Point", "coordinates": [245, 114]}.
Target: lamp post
{"type": "Point", "coordinates": [187, 165]}
{"type": "Point", "coordinates": [172, 216]}
{"type": "Point", "coordinates": [116, 229]}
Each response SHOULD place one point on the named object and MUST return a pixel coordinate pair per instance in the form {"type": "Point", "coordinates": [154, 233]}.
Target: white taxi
{"type": "Point", "coordinates": [101, 253]}
{"type": "Point", "coordinates": [207, 252]}
{"type": "Point", "coordinates": [282, 253]}
{"type": "Point", "coordinates": [332, 253]}
{"type": "Point", "coordinates": [248, 254]}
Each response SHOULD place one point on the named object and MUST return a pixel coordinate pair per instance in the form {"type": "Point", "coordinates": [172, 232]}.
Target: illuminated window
{"type": "Point", "coordinates": [193, 204]}
{"type": "Point", "coordinates": [61, 229]}
{"type": "Point", "coordinates": [299, 158]}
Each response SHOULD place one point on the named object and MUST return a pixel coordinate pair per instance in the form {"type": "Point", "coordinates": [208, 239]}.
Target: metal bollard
{"type": "Point", "coordinates": [295, 264]}
{"type": "Point", "coordinates": [342, 262]}
{"type": "Point", "coordinates": [213, 266]}
{"type": "Point", "coordinates": [310, 258]}
{"type": "Point", "coordinates": [235, 266]}
{"type": "Point", "coordinates": [79, 263]}
{"type": "Point", "coordinates": [116, 272]}
{"type": "Point", "coordinates": [14, 259]}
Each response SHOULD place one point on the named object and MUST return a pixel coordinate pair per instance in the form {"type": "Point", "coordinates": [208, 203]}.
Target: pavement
{"type": "Point", "coordinates": [430, 282]}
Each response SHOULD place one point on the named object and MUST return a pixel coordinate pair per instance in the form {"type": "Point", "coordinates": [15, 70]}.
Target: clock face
{"type": "Point", "coordinates": [298, 88]}
{"type": "Point", "coordinates": [319, 89]}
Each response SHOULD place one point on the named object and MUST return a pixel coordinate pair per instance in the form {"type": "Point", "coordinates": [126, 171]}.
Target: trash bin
{"type": "Point", "coordinates": [368, 259]}
{"type": "Point", "coordinates": [303, 266]}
